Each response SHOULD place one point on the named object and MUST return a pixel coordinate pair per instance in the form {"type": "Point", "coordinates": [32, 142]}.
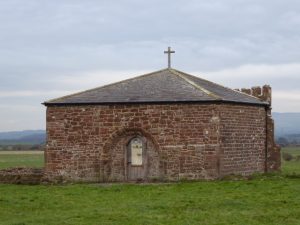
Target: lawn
{"type": "Point", "coordinates": [272, 199]}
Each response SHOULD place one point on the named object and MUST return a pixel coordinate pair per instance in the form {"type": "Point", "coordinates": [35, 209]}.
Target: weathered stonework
{"type": "Point", "coordinates": [273, 156]}
{"type": "Point", "coordinates": [184, 141]}
{"type": "Point", "coordinates": [21, 175]}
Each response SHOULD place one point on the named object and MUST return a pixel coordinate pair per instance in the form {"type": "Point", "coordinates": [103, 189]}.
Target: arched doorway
{"type": "Point", "coordinates": [137, 159]}
{"type": "Point", "coordinates": [119, 164]}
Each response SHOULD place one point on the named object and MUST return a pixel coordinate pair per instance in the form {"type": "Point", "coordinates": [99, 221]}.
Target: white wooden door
{"type": "Point", "coordinates": [136, 160]}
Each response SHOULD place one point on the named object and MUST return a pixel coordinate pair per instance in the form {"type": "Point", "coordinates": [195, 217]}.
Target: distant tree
{"type": "Point", "coordinates": [282, 141]}
{"type": "Point", "coordinates": [287, 157]}
{"type": "Point", "coordinates": [36, 147]}
{"type": "Point", "coordinates": [294, 142]}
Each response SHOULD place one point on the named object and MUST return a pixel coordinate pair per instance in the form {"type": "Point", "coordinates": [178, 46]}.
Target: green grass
{"type": "Point", "coordinates": [291, 167]}
{"type": "Point", "coordinates": [21, 159]}
{"type": "Point", "coordinates": [267, 199]}
{"type": "Point", "coordinates": [260, 201]}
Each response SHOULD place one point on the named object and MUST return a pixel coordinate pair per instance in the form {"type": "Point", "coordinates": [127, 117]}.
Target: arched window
{"type": "Point", "coordinates": [136, 151]}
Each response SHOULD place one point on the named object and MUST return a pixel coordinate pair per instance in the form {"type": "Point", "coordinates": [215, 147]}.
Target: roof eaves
{"type": "Point", "coordinates": [155, 102]}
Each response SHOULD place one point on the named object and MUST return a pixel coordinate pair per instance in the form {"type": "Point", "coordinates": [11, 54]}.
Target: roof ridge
{"type": "Point", "coordinates": [219, 85]}
{"type": "Point", "coordinates": [182, 76]}
{"type": "Point", "coordinates": [107, 85]}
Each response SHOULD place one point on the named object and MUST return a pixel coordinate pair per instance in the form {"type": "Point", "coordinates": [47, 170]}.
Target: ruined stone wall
{"type": "Point", "coordinates": [85, 143]}
{"type": "Point", "coordinates": [273, 162]}
{"type": "Point", "coordinates": [21, 175]}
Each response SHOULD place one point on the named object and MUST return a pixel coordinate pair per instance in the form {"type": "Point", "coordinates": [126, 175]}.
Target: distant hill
{"type": "Point", "coordinates": [287, 124]}
{"type": "Point", "coordinates": [23, 137]}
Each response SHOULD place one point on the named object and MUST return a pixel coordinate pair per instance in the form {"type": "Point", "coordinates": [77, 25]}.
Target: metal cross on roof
{"type": "Point", "coordinates": [169, 52]}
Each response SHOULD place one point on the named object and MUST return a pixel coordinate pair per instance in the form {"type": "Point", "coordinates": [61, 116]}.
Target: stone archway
{"type": "Point", "coordinates": [114, 159]}
{"type": "Point", "coordinates": [136, 159]}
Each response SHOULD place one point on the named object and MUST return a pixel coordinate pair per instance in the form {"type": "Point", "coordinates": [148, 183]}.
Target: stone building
{"type": "Point", "coordinates": [165, 125]}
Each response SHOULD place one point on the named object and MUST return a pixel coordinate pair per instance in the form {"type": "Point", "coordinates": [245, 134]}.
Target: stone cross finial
{"type": "Point", "coordinates": [169, 52]}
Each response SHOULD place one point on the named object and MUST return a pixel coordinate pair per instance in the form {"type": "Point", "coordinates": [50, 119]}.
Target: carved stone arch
{"type": "Point", "coordinates": [113, 159]}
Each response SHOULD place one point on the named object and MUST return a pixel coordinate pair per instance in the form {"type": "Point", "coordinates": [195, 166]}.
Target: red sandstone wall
{"type": "Point", "coordinates": [243, 139]}
{"type": "Point", "coordinates": [273, 150]}
{"type": "Point", "coordinates": [188, 141]}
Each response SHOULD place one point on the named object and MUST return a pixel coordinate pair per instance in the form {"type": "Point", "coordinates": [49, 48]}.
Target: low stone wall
{"type": "Point", "coordinates": [21, 175]}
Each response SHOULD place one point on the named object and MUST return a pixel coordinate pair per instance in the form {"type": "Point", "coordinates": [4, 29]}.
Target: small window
{"type": "Point", "coordinates": [136, 147]}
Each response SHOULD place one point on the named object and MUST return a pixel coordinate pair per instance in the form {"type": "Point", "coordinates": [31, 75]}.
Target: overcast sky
{"type": "Point", "coordinates": [52, 48]}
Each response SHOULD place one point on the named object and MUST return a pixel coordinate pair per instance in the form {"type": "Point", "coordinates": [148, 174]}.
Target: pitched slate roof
{"type": "Point", "coordinates": [167, 85]}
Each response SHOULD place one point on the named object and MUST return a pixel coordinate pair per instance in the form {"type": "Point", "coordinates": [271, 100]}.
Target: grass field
{"type": "Point", "coordinates": [291, 167]}
{"type": "Point", "coordinates": [21, 159]}
{"type": "Point", "coordinates": [272, 199]}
